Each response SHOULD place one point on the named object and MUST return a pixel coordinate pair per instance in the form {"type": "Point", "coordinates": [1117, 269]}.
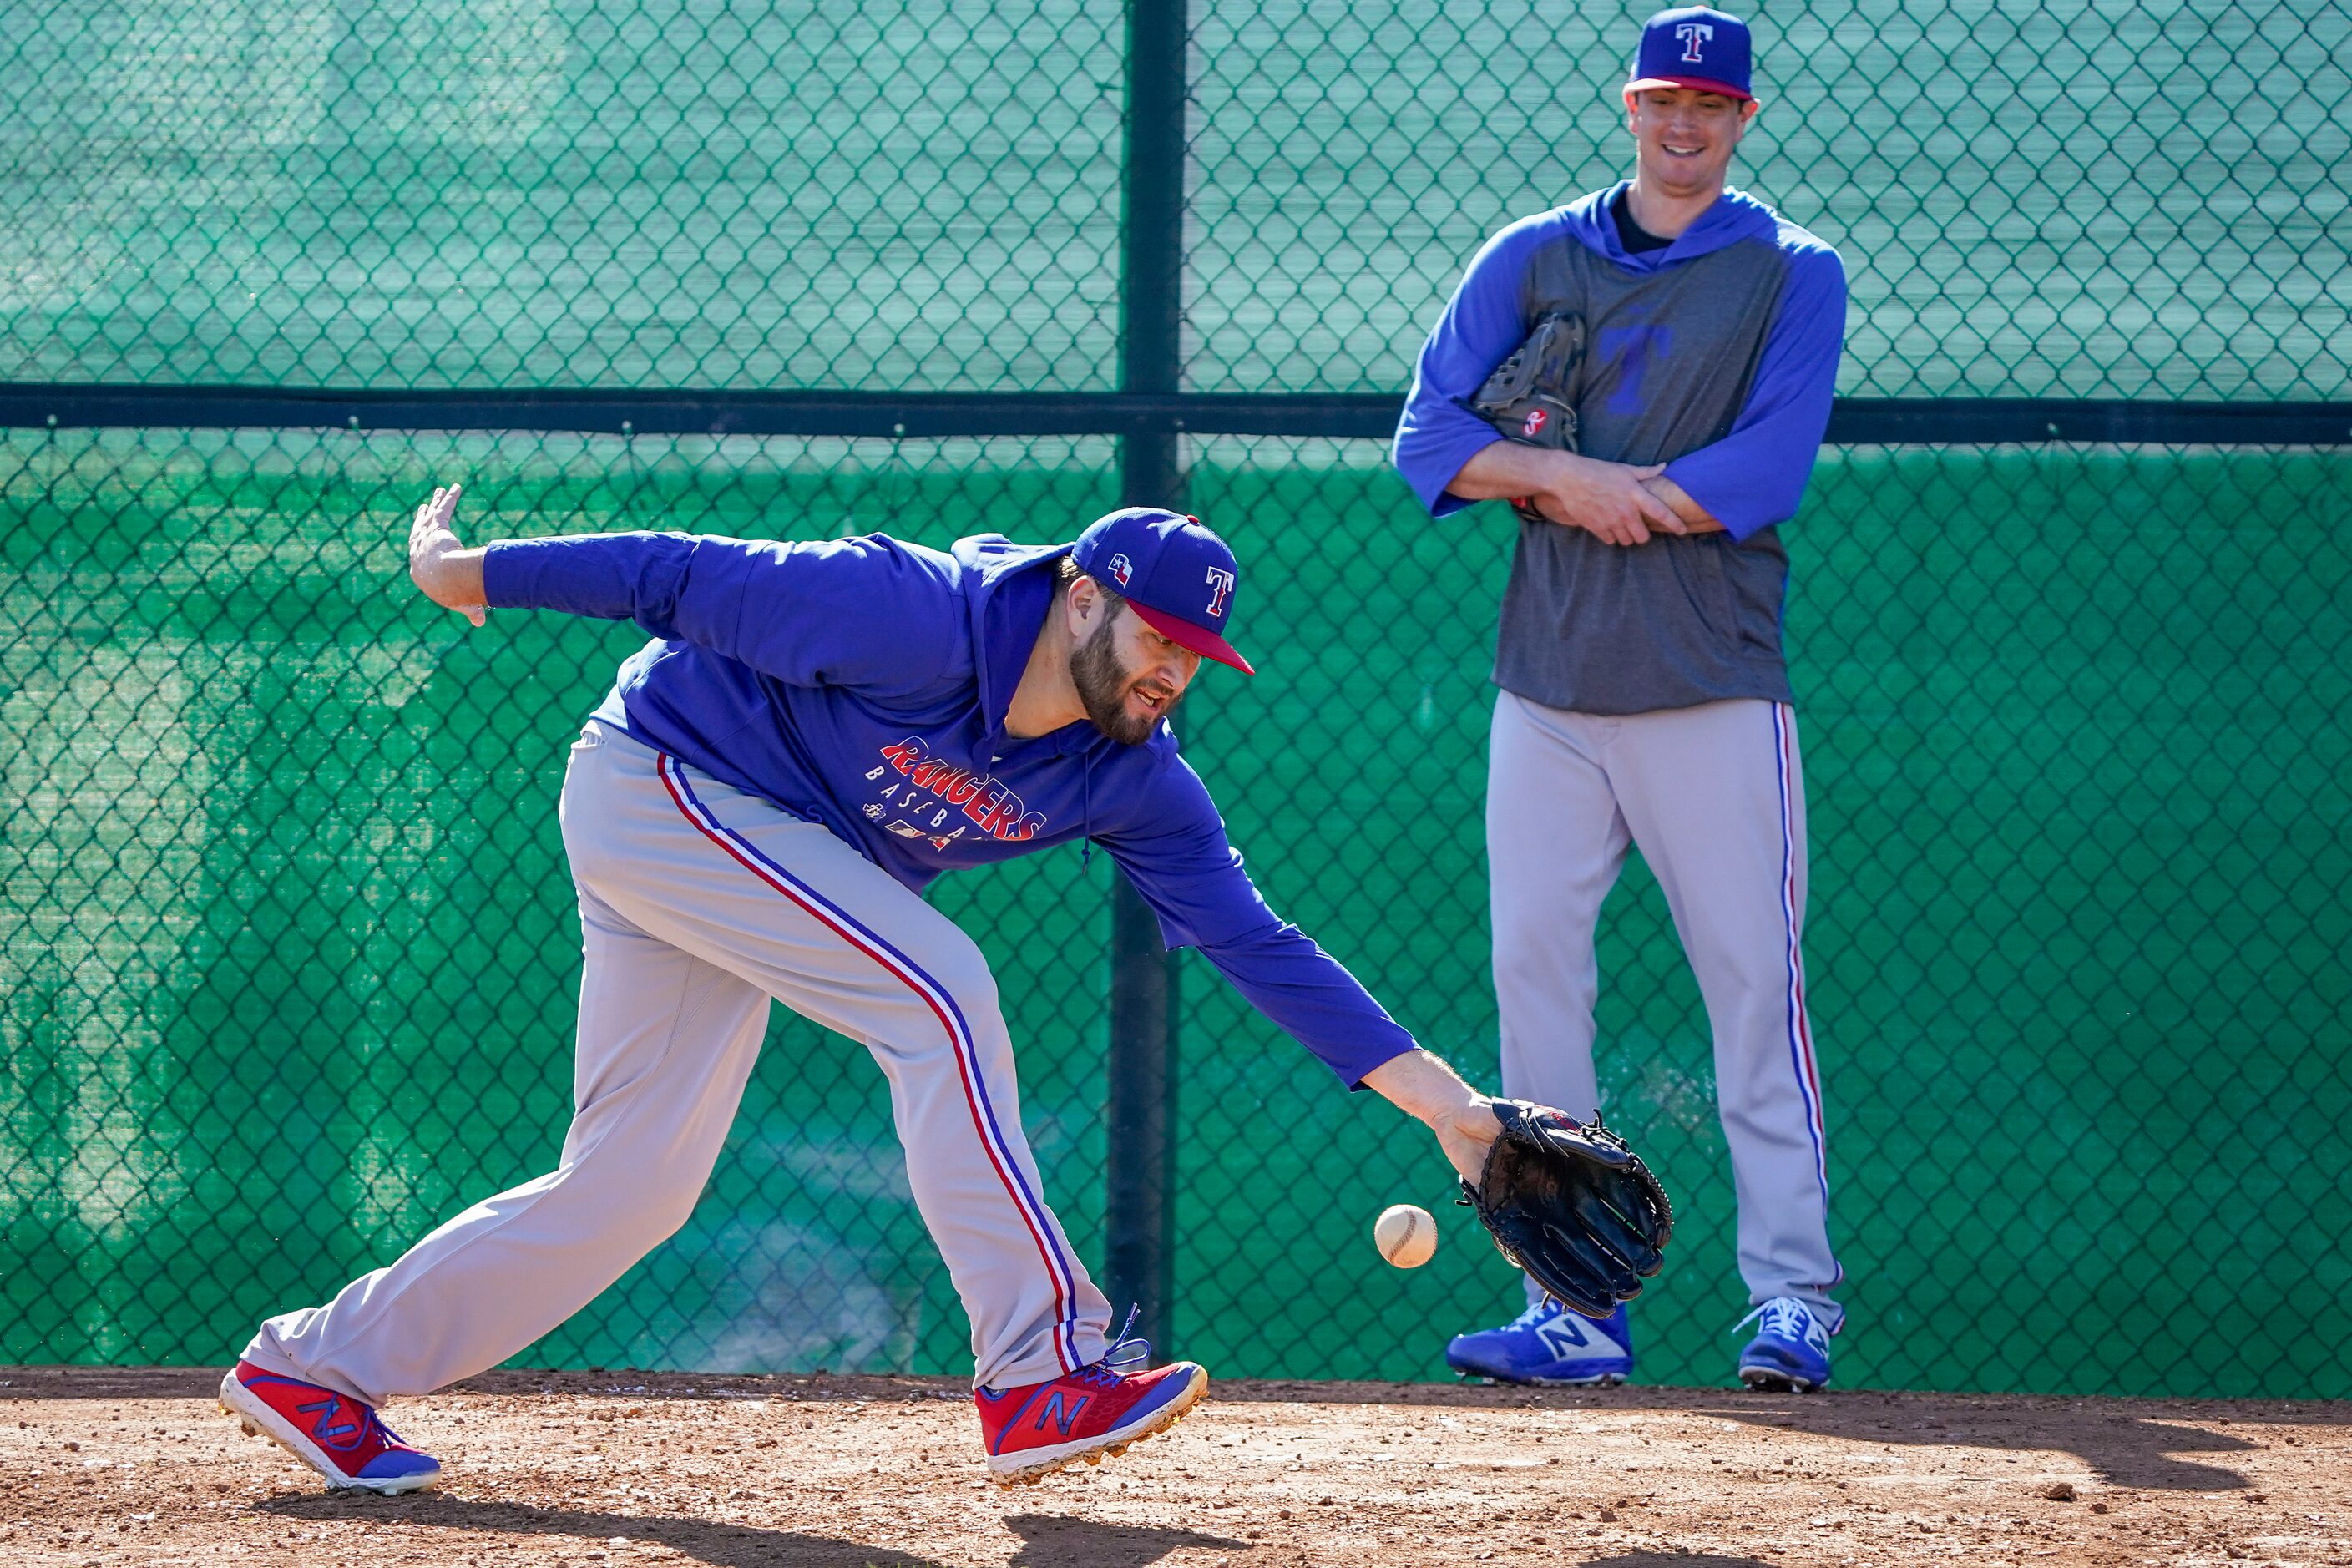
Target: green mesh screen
{"type": "Point", "coordinates": [529, 193]}
{"type": "Point", "coordinates": [290, 953]}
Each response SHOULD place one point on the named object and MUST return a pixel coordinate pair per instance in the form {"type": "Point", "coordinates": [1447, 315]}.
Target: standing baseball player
{"type": "Point", "coordinates": [818, 731]}
{"type": "Point", "coordinates": [1646, 373]}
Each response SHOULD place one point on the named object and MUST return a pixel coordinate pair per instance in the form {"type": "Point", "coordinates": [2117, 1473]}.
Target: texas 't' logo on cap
{"type": "Point", "coordinates": [1694, 47]}
{"type": "Point", "coordinates": [1174, 573]}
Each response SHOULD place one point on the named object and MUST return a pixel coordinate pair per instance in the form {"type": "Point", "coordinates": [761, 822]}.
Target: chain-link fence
{"type": "Point", "coordinates": [285, 932]}
{"type": "Point", "coordinates": [2148, 201]}
{"type": "Point", "coordinates": [291, 955]}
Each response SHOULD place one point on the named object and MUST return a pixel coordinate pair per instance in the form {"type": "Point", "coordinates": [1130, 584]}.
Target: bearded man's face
{"type": "Point", "coordinates": [1128, 677]}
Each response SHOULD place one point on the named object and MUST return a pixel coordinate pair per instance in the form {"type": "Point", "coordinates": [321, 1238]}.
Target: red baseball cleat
{"type": "Point", "coordinates": [333, 1432]}
{"type": "Point", "coordinates": [1098, 1409]}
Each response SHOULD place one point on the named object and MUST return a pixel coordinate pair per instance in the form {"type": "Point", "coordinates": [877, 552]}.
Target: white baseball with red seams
{"type": "Point", "coordinates": [1406, 1234]}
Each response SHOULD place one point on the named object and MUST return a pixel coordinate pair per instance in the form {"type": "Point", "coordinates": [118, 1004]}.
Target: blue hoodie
{"type": "Point", "coordinates": [1717, 356]}
{"type": "Point", "coordinates": [864, 683]}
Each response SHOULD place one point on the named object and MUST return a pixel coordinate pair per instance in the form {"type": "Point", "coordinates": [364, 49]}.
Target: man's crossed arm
{"type": "Point", "coordinates": [1618, 503]}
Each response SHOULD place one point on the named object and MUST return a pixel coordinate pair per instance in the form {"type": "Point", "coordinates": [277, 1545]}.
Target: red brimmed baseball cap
{"type": "Point", "coordinates": [1694, 47]}
{"type": "Point", "coordinates": [1177, 575]}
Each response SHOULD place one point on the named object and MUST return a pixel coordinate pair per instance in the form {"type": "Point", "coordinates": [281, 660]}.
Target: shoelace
{"type": "Point", "coordinates": [371, 1426]}
{"type": "Point", "coordinates": [391, 1439]}
{"type": "Point", "coordinates": [1113, 1364]}
{"type": "Point", "coordinates": [1782, 1316]}
{"type": "Point", "coordinates": [1124, 1353]}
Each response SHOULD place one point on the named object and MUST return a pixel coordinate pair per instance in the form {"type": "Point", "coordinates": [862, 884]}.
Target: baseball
{"type": "Point", "coordinates": [1406, 1236]}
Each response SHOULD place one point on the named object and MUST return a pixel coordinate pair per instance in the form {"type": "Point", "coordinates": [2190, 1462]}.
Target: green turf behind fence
{"type": "Point", "coordinates": [2146, 200]}
{"type": "Point", "coordinates": [288, 953]}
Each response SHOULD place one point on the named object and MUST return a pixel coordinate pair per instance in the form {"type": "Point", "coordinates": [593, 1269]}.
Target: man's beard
{"type": "Point", "coordinates": [1103, 683]}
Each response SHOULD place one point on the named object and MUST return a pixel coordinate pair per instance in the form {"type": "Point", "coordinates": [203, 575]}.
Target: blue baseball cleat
{"type": "Point", "coordinates": [1548, 1344]}
{"type": "Point", "coordinates": [1790, 1352]}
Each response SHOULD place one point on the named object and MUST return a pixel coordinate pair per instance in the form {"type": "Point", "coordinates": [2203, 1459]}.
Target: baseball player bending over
{"type": "Point", "coordinates": [1649, 372]}
{"type": "Point", "coordinates": [818, 731]}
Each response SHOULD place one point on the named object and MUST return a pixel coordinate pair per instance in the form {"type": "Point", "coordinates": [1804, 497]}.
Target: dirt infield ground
{"type": "Point", "coordinates": [605, 1472]}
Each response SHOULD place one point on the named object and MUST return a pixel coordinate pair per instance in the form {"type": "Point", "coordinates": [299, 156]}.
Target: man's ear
{"type": "Point", "coordinates": [1086, 601]}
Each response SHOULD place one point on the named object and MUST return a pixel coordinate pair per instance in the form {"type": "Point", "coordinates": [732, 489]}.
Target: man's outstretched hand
{"type": "Point", "coordinates": [449, 574]}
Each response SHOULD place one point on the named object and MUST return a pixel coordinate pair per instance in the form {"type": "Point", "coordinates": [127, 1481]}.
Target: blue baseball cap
{"type": "Point", "coordinates": [1693, 46]}
{"type": "Point", "coordinates": [1176, 575]}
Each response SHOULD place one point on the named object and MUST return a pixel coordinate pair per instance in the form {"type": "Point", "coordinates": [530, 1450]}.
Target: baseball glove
{"type": "Point", "coordinates": [1529, 396]}
{"type": "Point", "coordinates": [1572, 1206]}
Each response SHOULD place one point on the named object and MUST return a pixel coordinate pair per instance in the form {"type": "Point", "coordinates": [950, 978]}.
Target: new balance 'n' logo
{"type": "Point", "coordinates": [322, 1431]}
{"type": "Point", "coordinates": [1054, 1413]}
{"type": "Point", "coordinates": [1561, 1336]}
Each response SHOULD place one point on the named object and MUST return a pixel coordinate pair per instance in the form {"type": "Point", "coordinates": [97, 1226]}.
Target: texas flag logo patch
{"type": "Point", "coordinates": [1121, 569]}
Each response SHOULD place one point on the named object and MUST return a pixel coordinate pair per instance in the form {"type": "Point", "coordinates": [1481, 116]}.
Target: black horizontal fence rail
{"type": "Point", "coordinates": [620, 411]}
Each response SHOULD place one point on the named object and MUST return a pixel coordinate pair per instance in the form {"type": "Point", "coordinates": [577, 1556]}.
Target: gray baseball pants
{"type": "Point", "coordinates": [698, 904]}
{"type": "Point", "coordinates": [1714, 796]}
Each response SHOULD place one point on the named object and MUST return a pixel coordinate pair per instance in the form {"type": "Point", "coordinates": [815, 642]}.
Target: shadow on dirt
{"type": "Point", "coordinates": [1051, 1541]}
{"type": "Point", "coordinates": [2125, 1448]}
{"type": "Point", "coordinates": [1047, 1540]}
{"type": "Point", "coordinates": [2134, 1443]}
{"type": "Point", "coordinates": [1675, 1560]}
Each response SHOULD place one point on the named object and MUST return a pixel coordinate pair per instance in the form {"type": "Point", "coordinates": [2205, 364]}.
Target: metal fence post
{"type": "Point", "coordinates": [1140, 1221]}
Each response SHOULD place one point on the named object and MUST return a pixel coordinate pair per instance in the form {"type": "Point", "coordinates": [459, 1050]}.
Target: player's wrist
{"type": "Point", "coordinates": [451, 576]}
{"type": "Point", "coordinates": [1420, 1085]}
{"type": "Point", "coordinates": [1474, 1119]}
{"type": "Point", "coordinates": [1467, 1133]}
